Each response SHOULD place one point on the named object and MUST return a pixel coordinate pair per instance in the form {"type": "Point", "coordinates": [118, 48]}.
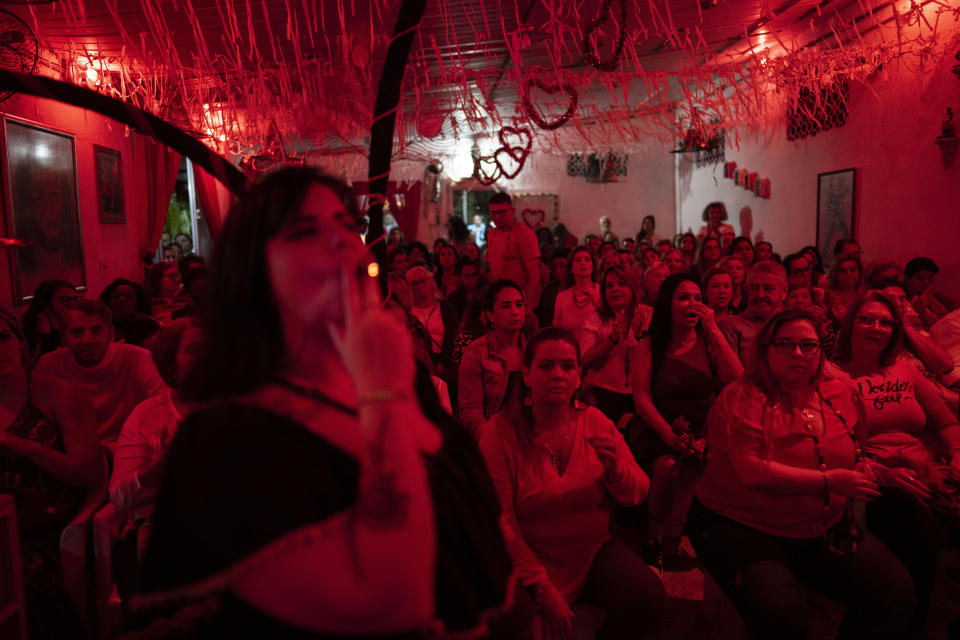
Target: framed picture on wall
{"type": "Point", "coordinates": [106, 163]}
{"type": "Point", "coordinates": [537, 209]}
{"type": "Point", "coordinates": [42, 207]}
{"type": "Point", "coordinates": [836, 200]}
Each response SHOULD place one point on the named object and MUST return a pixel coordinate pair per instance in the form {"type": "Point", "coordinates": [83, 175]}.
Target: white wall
{"type": "Point", "coordinates": [647, 189]}
{"type": "Point", "coordinates": [907, 203]}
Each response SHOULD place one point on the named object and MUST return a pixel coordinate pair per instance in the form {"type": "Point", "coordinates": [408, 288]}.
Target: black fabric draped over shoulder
{"type": "Point", "coordinates": [239, 477]}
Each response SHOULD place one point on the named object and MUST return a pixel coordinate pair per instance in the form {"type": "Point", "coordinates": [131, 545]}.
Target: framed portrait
{"type": "Point", "coordinates": [836, 200]}
{"type": "Point", "coordinates": [42, 207]}
{"type": "Point", "coordinates": [109, 185]}
{"type": "Point", "coordinates": [537, 209]}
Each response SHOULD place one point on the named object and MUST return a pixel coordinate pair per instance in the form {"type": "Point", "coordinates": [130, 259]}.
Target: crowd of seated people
{"type": "Point", "coordinates": [298, 449]}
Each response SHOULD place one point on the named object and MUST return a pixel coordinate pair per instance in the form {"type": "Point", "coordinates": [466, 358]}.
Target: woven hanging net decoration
{"type": "Point", "coordinates": [282, 80]}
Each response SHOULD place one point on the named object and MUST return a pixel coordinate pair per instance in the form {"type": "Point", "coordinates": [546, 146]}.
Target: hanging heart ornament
{"type": "Point", "coordinates": [588, 50]}
{"type": "Point", "coordinates": [508, 165]}
{"type": "Point", "coordinates": [550, 89]}
{"type": "Point", "coordinates": [486, 170]}
{"type": "Point", "coordinates": [517, 142]}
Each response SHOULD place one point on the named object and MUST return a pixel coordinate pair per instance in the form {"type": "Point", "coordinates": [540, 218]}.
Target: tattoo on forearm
{"type": "Point", "coordinates": [381, 502]}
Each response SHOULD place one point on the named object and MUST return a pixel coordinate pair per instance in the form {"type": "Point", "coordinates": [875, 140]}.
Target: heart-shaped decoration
{"type": "Point", "coordinates": [506, 161]}
{"type": "Point", "coordinates": [511, 135]}
{"type": "Point", "coordinates": [430, 124]}
{"type": "Point", "coordinates": [589, 53]}
{"type": "Point", "coordinates": [533, 217]}
{"type": "Point", "coordinates": [550, 88]}
{"type": "Point", "coordinates": [486, 170]}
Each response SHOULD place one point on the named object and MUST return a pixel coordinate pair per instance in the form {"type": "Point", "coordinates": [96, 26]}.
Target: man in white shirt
{"type": "Point", "coordinates": [512, 249]}
{"type": "Point", "coordinates": [479, 230]}
{"type": "Point", "coordinates": [114, 376]}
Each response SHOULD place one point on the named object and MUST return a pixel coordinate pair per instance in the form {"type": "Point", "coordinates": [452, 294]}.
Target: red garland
{"type": "Point", "coordinates": [482, 174]}
{"type": "Point", "coordinates": [588, 52]}
{"type": "Point", "coordinates": [550, 88]}
{"type": "Point", "coordinates": [504, 172]}
{"type": "Point", "coordinates": [489, 169]}
{"type": "Point", "coordinates": [517, 153]}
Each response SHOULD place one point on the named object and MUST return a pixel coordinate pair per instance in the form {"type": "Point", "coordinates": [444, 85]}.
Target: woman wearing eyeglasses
{"type": "Point", "coordinates": [772, 518]}
{"type": "Point", "coordinates": [911, 431]}
{"type": "Point", "coordinates": [905, 413]}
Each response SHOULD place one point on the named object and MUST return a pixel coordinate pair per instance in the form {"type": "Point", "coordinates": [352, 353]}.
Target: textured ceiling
{"type": "Point", "coordinates": [302, 74]}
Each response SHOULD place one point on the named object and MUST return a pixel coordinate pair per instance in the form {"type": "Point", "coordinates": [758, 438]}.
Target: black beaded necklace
{"type": "Point", "coordinates": [818, 445]}
{"type": "Point", "coordinates": [315, 395]}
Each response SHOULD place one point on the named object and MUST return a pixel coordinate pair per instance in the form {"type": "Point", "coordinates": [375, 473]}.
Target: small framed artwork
{"type": "Point", "coordinates": [109, 185]}
{"type": "Point", "coordinates": [836, 200]}
{"type": "Point", "coordinates": [537, 209]}
{"type": "Point", "coordinates": [42, 209]}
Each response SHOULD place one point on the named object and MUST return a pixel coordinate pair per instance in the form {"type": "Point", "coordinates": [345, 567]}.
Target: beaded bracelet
{"type": "Point", "coordinates": [538, 590]}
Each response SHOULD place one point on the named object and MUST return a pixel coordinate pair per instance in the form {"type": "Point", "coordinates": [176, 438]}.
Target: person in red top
{"type": "Point", "coordinates": [911, 431]}
{"type": "Point", "coordinates": [512, 249]}
{"type": "Point", "coordinates": [556, 465]}
{"type": "Point", "coordinates": [772, 513]}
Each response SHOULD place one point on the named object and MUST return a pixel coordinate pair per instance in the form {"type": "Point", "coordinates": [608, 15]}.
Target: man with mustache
{"type": "Point", "coordinates": [766, 291]}
{"type": "Point", "coordinates": [114, 376]}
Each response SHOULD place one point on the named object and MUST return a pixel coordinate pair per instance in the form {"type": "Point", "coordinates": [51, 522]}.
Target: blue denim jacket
{"type": "Point", "coordinates": [483, 382]}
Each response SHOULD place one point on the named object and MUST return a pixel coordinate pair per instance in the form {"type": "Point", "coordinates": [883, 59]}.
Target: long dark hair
{"type": "Point", "coordinates": [143, 302]}
{"type": "Point", "coordinates": [438, 272]}
{"type": "Point", "coordinates": [661, 324]}
{"type": "Point", "coordinates": [515, 410]}
{"type": "Point", "coordinates": [458, 231]}
{"type": "Point", "coordinates": [642, 234]}
{"type": "Point", "coordinates": [42, 298]}
{"type": "Point", "coordinates": [243, 337]}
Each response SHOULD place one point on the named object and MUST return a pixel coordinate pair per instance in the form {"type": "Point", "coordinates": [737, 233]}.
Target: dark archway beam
{"type": "Point", "coordinates": [385, 115]}
{"type": "Point", "coordinates": [148, 124]}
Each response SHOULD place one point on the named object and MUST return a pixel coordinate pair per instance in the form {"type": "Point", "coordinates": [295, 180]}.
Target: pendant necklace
{"type": "Point", "coordinates": [555, 454]}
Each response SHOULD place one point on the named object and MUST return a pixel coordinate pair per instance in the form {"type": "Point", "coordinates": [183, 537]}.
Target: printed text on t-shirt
{"type": "Point", "coordinates": [896, 391]}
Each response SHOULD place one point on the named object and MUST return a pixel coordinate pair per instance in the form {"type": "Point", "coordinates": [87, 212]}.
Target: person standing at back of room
{"type": "Point", "coordinates": [512, 249]}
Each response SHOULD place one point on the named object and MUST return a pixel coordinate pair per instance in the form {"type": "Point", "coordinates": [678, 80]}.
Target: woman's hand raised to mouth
{"type": "Point", "coordinates": [376, 347]}
{"type": "Point", "coordinates": [707, 316]}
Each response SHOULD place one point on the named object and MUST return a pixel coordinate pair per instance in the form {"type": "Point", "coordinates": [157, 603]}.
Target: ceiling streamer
{"type": "Point", "coordinates": [289, 79]}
